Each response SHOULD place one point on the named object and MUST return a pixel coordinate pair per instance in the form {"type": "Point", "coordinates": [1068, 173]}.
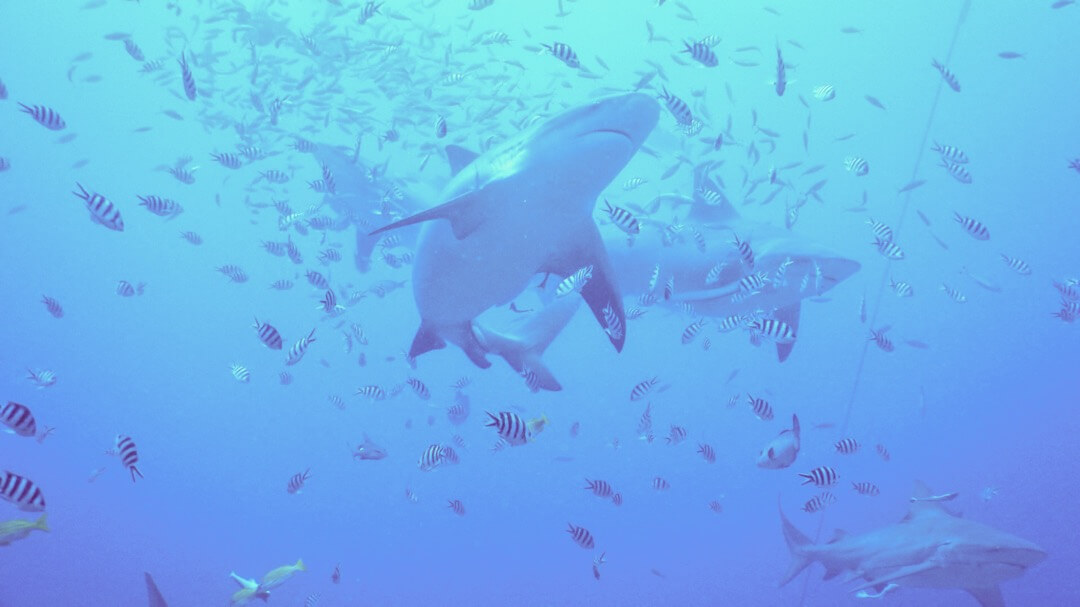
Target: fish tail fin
{"type": "Point", "coordinates": [135, 471]}
{"type": "Point", "coordinates": [300, 565]}
{"type": "Point", "coordinates": [41, 523]}
{"type": "Point", "coordinates": [797, 544]}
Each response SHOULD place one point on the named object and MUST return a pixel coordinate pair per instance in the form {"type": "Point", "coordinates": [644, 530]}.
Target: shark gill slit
{"type": "Point", "coordinates": [961, 18]}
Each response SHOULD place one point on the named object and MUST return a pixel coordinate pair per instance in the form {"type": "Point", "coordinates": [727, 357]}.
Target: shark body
{"type": "Point", "coordinates": [929, 548]}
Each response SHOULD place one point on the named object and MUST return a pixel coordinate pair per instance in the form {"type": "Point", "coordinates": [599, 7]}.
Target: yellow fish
{"type": "Point", "coordinates": [279, 576]}
{"type": "Point", "coordinates": [19, 528]}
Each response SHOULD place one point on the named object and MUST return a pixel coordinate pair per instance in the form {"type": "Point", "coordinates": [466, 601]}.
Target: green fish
{"type": "Point", "coordinates": [19, 528]}
{"type": "Point", "coordinates": [279, 576]}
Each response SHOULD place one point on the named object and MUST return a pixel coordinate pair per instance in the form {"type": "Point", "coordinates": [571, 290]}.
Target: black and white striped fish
{"type": "Point", "coordinates": [822, 476]}
{"type": "Point", "coordinates": [946, 75]}
{"type": "Point", "coordinates": [581, 536]}
{"type": "Point", "coordinates": [476, 5]}
{"type": "Point", "coordinates": [691, 331]}
{"type": "Point", "coordinates": [281, 285]}
{"type": "Point", "coordinates": [676, 435]}
{"type": "Point", "coordinates": [296, 481]}
{"type": "Point", "coordinates": [678, 108]}
{"type": "Point", "coordinates": [52, 306]}
{"type": "Point", "coordinates": [702, 53]}
{"type": "Point", "coordinates": [761, 408]}
{"type": "Point", "coordinates": [957, 171]}
{"type": "Point", "coordinates": [22, 492]}
{"type": "Point", "coordinates": [950, 153]}
{"type": "Point", "coordinates": [511, 427]}
{"type": "Point", "coordinates": [274, 176]}
{"type": "Point", "coordinates": [101, 209]}
{"type": "Point", "coordinates": [866, 488]}
{"type": "Point", "coordinates": [285, 378]}
{"type": "Point", "coordinates": [622, 219]}
{"type": "Point", "coordinates": [45, 116]}
{"type": "Point", "coordinates": [730, 323]}
{"type": "Point", "coordinates": [328, 303]}
{"type": "Point", "coordinates": [953, 293]}
{"type": "Point", "coordinates": [162, 207]}
{"type": "Point", "coordinates": [599, 488]}
{"type": "Point", "coordinates": [707, 452]}
{"type": "Point", "coordinates": [880, 230]}
{"type": "Point", "coordinates": [902, 289]}
{"type": "Point", "coordinates": [19, 418]}
{"type": "Point", "coordinates": [642, 388]}
{"type": "Point", "coordinates": [847, 446]}
{"type": "Point", "coordinates": [888, 249]}
{"type": "Point", "coordinates": [431, 458]}
{"type": "Point", "coordinates": [372, 392]}
{"type": "Point", "coordinates": [317, 280]}
{"type": "Point", "coordinates": [188, 79]}
{"type": "Point", "coordinates": [882, 452]}
{"type": "Point", "coordinates": [819, 502]}
{"type": "Point", "coordinates": [126, 289]}
{"type": "Point", "coordinates": [575, 282]}
{"type": "Point", "coordinates": [240, 373]}
{"type": "Point", "coordinates": [369, 10]}
{"type": "Point", "coordinates": [776, 331]}
{"type": "Point", "coordinates": [233, 273]}
{"type": "Point", "coordinates": [856, 166]}
{"type": "Point", "coordinates": [129, 454]}
{"type": "Point", "coordinates": [1017, 264]}
{"type": "Point", "coordinates": [299, 349]}
{"type": "Point", "coordinates": [191, 237]}
{"type": "Point", "coordinates": [752, 283]}
{"type": "Point", "coordinates": [972, 226]}
{"type": "Point", "coordinates": [612, 325]}
{"type": "Point", "coordinates": [881, 339]}
{"type": "Point", "coordinates": [659, 483]}
{"type": "Point", "coordinates": [227, 160]}
{"type": "Point", "coordinates": [746, 253]}
{"type": "Point", "coordinates": [456, 506]}
{"type": "Point", "coordinates": [563, 53]}
{"type": "Point", "coordinates": [268, 335]}
{"type": "Point", "coordinates": [419, 388]}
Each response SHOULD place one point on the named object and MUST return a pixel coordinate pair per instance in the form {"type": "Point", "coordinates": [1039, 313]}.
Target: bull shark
{"type": "Point", "coordinates": [523, 208]}
{"type": "Point", "coordinates": [930, 548]}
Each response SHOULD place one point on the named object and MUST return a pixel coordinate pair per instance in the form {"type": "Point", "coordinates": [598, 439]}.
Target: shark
{"type": "Point", "coordinates": [524, 208]}
{"type": "Point", "coordinates": [930, 548]}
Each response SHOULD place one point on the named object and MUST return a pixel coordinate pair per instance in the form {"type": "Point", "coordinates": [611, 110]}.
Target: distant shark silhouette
{"type": "Point", "coordinates": [522, 208]}
{"type": "Point", "coordinates": [156, 600]}
{"type": "Point", "coordinates": [929, 548]}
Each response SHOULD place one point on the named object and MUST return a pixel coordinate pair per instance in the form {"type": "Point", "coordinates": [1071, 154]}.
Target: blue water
{"type": "Point", "coordinates": [988, 402]}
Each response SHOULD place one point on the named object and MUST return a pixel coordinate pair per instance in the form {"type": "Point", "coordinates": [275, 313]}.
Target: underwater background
{"type": "Point", "coordinates": [977, 397]}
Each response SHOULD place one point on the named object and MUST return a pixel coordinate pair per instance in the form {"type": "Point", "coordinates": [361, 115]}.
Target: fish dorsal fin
{"type": "Point", "coordinates": [459, 158]}
{"type": "Point", "coordinates": [837, 535]}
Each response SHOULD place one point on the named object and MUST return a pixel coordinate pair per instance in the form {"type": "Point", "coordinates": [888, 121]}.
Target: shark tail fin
{"type": "Point", "coordinates": [798, 544]}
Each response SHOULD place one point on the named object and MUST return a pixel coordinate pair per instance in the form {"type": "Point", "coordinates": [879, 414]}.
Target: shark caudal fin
{"type": "Point", "coordinates": [798, 544]}
{"type": "Point", "coordinates": [156, 600]}
{"type": "Point", "coordinates": [525, 346]}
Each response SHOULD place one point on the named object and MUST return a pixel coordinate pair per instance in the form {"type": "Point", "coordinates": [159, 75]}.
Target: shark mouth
{"type": "Point", "coordinates": [611, 132]}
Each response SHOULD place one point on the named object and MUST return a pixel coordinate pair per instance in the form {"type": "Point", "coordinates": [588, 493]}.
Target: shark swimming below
{"type": "Point", "coordinates": [522, 208]}
{"type": "Point", "coordinates": [929, 548]}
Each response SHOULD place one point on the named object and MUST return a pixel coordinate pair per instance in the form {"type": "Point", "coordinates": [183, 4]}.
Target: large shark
{"type": "Point", "coordinates": [523, 208]}
{"type": "Point", "coordinates": [929, 548]}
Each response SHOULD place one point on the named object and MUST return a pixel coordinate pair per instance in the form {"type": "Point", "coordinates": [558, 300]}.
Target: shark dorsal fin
{"type": "Point", "coordinates": [156, 600]}
{"type": "Point", "coordinates": [838, 535]}
{"type": "Point", "coordinates": [922, 502]}
{"type": "Point", "coordinates": [459, 158]}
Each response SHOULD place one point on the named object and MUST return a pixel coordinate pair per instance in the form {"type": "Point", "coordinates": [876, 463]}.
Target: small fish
{"type": "Point", "coordinates": [188, 79]}
{"type": "Point", "coordinates": [678, 108]}
{"type": "Point", "coordinates": [947, 76]}
{"type": "Point", "coordinates": [563, 52]}
{"type": "Point", "coordinates": [881, 340]}
{"type": "Point", "coordinates": [957, 171]}
{"type": "Point", "coordinates": [856, 166]}
{"type": "Point", "coordinates": [52, 306]}
{"type": "Point", "coordinates": [335, 577]}
{"type": "Point", "coordinates": [102, 211]}
{"type": "Point", "coordinates": [954, 294]}
{"type": "Point", "coordinates": [911, 185]}
{"type": "Point", "coordinates": [973, 227]}
{"type": "Point", "coordinates": [299, 349]}
{"type": "Point", "coordinates": [268, 335]}
{"type": "Point", "coordinates": [702, 53]}
{"type": "Point", "coordinates": [581, 536]}
{"type": "Point", "coordinates": [659, 483]}
{"type": "Point", "coordinates": [874, 102]}
{"type": "Point", "coordinates": [847, 446]}
{"type": "Point", "coordinates": [1016, 264]}
{"type": "Point", "coordinates": [819, 502]}
{"type": "Point", "coordinates": [822, 476]}
{"type": "Point", "coordinates": [45, 116]}
{"type": "Point", "coordinates": [22, 492]}
{"type": "Point", "coordinates": [622, 219]}
{"type": "Point", "coordinates": [575, 282]}
{"type": "Point", "coordinates": [19, 419]}
{"type": "Point", "coordinates": [296, 482]}
{"type": "Point", "coordinates": [761, 408]}
{"type": "Point", "coordinates": [129, 454]}
{"type": "Point", "coordinates": [882, 452]}
{"type": "Point", "coordinates": [707, 452]}
{"type": "Point", "coordinates": [456, 506]}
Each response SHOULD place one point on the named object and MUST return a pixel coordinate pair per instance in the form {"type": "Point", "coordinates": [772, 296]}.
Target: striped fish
{"type": "Point", "coordinates": [129, 454]}
{"type": "Point", "coordinates": [825, 92]}
{"type": "Point", "coordinates": [633, 183]}
{"type": "Point", "coordinates": [946, 75]}
{"type": "Point", "coordinates": [229, 161]}
{"type": "Point", "coordinates": [268, 335]}
{"type": "Point", "coordinates": [371, 392]}
{"type": "Point", "coordinates": [233, 273]}
{"type": "Point", "coordinates": [730, 323]}
{"type": "Point", "coordinates": [476, 5]}
{"type": "Point", "coordinates": [19, 418]}
{"type": "Point", "coordinates": [622, 219]}
{"type": "Point", "coordinates": [888, 249]}
{"type": "Point", "coordinates": [274, 176]}
{"type": "Point", "coordinates": [644, 426]}
{"type": "Point", "coordinates": [678, 108]}
{"type": "Point", "coordinates": [191, 237]}
{"type": "Point", "coordinates": [329, 256]}
{"type": "Point", "coordinates": [285, 378]}
{"type": "Point", "coordinates": [299, 349]}
{"type": "Point", "coordinates": [329, 302]}
{"type": "Point", "coordinates": [761, 408]}
{"type": "Point", "coordinates": [564, 53]}
{"type": "Point", "coordinates": [746, 253]}
{"type": "Point", "coordinates": [882, 452]}
{"type": "Point", "coordinates": [707, 452]}
{"type": "Point", "coordinates": [776, 331]}
{"type": "Point", "coordinates": [856, 166]}
{"type": "Point", "coordinates": [847, 446]}
{"type": "Point", "coordinates": [101, 209]}
{"type": "Point", "coordinates": [45, 116]}
{"type": "Point", "coordinates": [52, 306]}
{"type": "Point", "coordinates": [369, 10]}
{"type": "Point", "coordinates": [676, 435]}
{"type": "Point", "coordinates": [866, 488]}
{"type": "Point", "coordinates": [822, 476]}
{"type": "Point", "coordinates": [716, 507]}
{"type": "Point", "coordinates": [599, 488]}
{"type": "Point", "coordinates": [581, 536]}
{"type": "Point", "coordinates": [691, 331]}
{"type": "Point", "coordinates": [162, 207]}
{"type": "Point", "coordinates": [642, 388]}
{"type": "Point", "coordinates": [296, 481]}
{"type": "Point", "coordinates": [612, 325]}
{"type": "Point", "coordinates": [1017, 264]}
{"type": "Point", "coordinates": [950, 153]}
{"type": "Point", "coordinates": [126, 289]}
{"type": "Point", "coordinates": [440, 127]}
{"type": "Point", "coordinates": [702, 53]}
{"type": "Point", "coordinates": [42, 378]}
{"type": "Point", "coordinates": [881, 340]}
{"type": "Point", "coordinates": [575, 282]}
{"type": "Point", "coordinates": [819, 502]}
{"type": "Point", "coordinates": [240, 373]}
{"type": "Point", "coordinates": [714, 274]}
{"type": "Point", "coordinates": [281, 285]}
{"type": "Point", "coordinates": [752, 283]}
{"type": "Point", "coordinates": [511, 427]}
{"type": "Point", "coordinates": [419, 388]}
{"type": "Point", "coordinates": [617, 499]}
{"type": "Point", "coordinates": [902, 289]}
{"type": "Point", "coordinates": [669, 288]}
{"type": "Point", "coordinates": [189, 81]}
{"type": "Point", "coordinates": [317, 280]}
{"type": "Point", "coordinates": [972, 226]}
{"type": "Point", "coordinates": [456, 506]}
{"type": "Point", "coordinates": [431, 458]}
{"type": "Point", "coordinates": [880, 230]}
{"type": "Point", "coordinates": [954, 294]}
{"type": "Point", "coordinates": [659, 483]}
{"type": "Point", "coordinates": [22, 492]}
{"type": "Point", "coordinates": [957, 171]}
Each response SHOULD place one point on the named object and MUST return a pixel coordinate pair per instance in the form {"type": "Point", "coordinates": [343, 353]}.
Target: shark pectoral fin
{"type": "Point", "coordinates": [459, 158]}
{"type": "Point", "coordinates": [600, 292]}
{"type": "Point", "coordinates": [426, 340]}
{"type": "Point", "coordinates": [789, 315]}
{"type": "Point", "coordinates": [988, 597]}
{"type": "Point", "coordinates": [831, 572]}
{"type": "Point", "coordinates": [465, 214]}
